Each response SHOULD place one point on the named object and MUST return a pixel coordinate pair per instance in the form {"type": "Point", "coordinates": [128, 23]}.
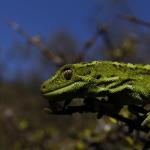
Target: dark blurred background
{"type": "Point", "coordinates": [36, 38]}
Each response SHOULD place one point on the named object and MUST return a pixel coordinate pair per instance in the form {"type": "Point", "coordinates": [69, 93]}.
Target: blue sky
{"type": "Point", "coordinates": [47, 16]}
{"type": "Point", "coordinates": [44, 17]}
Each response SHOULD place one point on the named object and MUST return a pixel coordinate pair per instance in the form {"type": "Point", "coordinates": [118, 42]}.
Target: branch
{"type": "Point", "coordinates": [101, 31]}
{"type": "Point", "coordinates": [36, 41]}
{"type": "Point", "coordinates": [135, 20]}
{"type": "Point", "coordinates": [131, 123]}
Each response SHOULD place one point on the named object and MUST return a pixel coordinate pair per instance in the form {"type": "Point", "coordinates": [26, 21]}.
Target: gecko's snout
{"type": "Point", "coordinates": [43, 88]}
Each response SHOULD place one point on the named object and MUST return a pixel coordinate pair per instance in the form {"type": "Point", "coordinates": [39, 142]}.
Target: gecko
{"type": "Point", "coordinates": [112, 84]}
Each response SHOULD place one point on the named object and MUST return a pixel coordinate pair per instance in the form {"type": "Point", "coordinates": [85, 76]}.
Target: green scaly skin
{"type": "Point", "coordinates": [120, 83]}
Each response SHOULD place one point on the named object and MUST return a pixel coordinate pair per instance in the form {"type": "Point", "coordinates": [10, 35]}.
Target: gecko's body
{"type": "Point", "coordinates": [122, 84]}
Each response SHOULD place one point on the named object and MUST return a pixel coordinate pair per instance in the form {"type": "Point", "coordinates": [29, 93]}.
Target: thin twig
{"type": "Point", "coordinates": [37, 41]}
{"type": "Point", "coordinates": [135, 20]}
{"type": "Point", "coordinates": [101, 31]}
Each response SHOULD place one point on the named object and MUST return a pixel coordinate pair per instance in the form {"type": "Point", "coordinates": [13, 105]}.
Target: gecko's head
{"type": "Point", "coordinates": [69, 81]}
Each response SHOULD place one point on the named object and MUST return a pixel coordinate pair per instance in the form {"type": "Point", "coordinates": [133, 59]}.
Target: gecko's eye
{"type": "Point", "coordinates": [67, 74]}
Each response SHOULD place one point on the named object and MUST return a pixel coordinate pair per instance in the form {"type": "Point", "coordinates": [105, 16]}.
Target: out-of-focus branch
{"type": "Point", "coordinates": [107, 40]}
{"type": "Point", "coordinates": [135, 20]}
{"type": "Point", "coordinates": [101, 31]}
{"type": "Point", "coordinates": [36, 41]}
{"type": "Point", "coordinates": [54, 57]}
{"type": "Point", "coordinates": [87, 45]}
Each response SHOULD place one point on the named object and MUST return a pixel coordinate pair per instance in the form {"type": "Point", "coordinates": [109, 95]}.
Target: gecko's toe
{"type": "Point", "coordinates": [146, 122]}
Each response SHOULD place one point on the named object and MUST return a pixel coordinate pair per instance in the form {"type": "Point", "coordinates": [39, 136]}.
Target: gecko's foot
{"type": "Point", "coordinates": [48, 110]}
{"type": "Point", "coordinates": [146, 122]}
{"type": "Point", "coordinates": [99, 115]}
{"type": "Point", "coordinates": [58, 106]}
{"type": "Point", "coordinates": [65, 106]}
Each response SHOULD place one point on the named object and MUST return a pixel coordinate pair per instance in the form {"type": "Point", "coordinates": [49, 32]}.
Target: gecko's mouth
{"type": "Point", "coordinates": [60, 98]}
{"type": "Point", "coordinates": [66, 91]}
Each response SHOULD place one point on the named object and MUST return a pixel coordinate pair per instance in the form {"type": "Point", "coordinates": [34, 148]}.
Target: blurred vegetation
{"type": "Point", "coordinates": [23, 123]}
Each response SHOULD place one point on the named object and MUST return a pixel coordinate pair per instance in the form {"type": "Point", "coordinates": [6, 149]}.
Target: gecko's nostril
{"type": "Point", "coordinates": [43, 87]}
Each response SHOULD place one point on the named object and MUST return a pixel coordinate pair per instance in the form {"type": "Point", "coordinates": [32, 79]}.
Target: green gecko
{"type": "Point", "coordinates": [107, 82]}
